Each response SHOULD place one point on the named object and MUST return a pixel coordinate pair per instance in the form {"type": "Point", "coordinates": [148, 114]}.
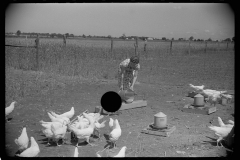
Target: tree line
{"type": "Point", "coordinates": [144, 38]}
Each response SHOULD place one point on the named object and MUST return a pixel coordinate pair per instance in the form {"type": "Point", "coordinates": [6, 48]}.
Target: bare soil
{"type": "Point", "coordinates": [192, 136]}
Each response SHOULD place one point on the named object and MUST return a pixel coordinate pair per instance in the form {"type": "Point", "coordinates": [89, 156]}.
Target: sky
{"type": "Point", "coordinates": [170, 20]}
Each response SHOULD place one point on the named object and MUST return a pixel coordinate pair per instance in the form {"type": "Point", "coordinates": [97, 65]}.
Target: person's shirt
{"type": "Point", "coordinates": [123, 66]}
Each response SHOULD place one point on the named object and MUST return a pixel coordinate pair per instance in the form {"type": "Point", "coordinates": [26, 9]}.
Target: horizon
{"type": "Point", "coordinates": [170, 20]}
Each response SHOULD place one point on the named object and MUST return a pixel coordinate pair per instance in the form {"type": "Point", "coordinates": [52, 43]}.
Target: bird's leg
{"type": "Point", "coordinates": [57, 143]}
{"type": "Point", "coordinates": [98, 134]}
{"type": "Point", "coordinates": [218, 140]}
{"type": "Point", "coordinates": [48, 141]}
{"type": "Point", "coordinates": [90, 143]}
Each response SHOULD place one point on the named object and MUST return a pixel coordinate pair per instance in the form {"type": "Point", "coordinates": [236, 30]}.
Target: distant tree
{"type": "Point", "coordinates": [180, 39]}
{"type": "Point", "coordinates": [191, 38]}
{"type": "Point", "coordinates": [71, 35]}
{"type": "Point", "coordinates": [89, 36]}
{"type": "Point", "coordinates": [172, 39]}
{"type": "Point", "coordinates": [228, 39]}
{"type": "Point", "coordinates": [164, 38]}
{"type": "Point", "coordinates": [83, 36]}
{"type": "Point", "coordinates": [123, 36]}
{"type": "Point", "coordinates": [233, 39]}
{"type": "Point", "coordinates": [109, 36]}
{"type": "Point", "coordinates": [209, 39]}
{"type": "Point", "coordinates": [18, 32]}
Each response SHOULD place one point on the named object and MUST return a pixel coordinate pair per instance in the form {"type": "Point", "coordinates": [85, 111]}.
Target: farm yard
{"type": "Point", "coordinates": [78, 74]}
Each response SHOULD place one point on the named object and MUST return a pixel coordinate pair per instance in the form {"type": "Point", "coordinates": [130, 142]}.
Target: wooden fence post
{"type": "Point", "coordinates": [136, 47]}
{"type": "Point", "coordinates": [26, 41]}
{"type": "Point", "coordinates": [112, 49]}
{"type": "Point", "coordinates": [64, 40]}
{"type": "Point", "coordinates": [205, 50]}
{"type": "Point", "coordinates": [171, 47]}
{"type": "Point", "coordinates": [189, 43]}
{"type": "Point", "coordinates": [145, 48]}
{"type": "Point", "coordinates": [37, 47]}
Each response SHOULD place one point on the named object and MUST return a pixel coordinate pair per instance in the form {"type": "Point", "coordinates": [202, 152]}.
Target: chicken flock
{"type": "Point", "coordinates": [82, 127]}
{"type": "Point", "coordinates": [86, 124]}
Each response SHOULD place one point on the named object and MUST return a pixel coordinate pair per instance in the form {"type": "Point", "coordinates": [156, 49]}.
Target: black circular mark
{"type": "Point", "coordinates": [111, 101]}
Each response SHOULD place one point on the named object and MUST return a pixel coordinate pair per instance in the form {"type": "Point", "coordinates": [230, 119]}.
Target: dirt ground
{"type": "Point", "coordinates": [192, 137]}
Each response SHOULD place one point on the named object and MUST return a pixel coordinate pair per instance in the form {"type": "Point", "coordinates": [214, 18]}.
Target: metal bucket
{"type": "Point", "coordinates": [160, 120]}
{"type": "Point", "coordinates": [198, 100]}
{"type": "Point", "coordinates": [224, 101]}
{"type": "Point", "coordinates": [127, 95]}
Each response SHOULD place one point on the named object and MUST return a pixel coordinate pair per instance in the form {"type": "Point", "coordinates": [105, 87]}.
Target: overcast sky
{"type": "Point", "coordinates": [170, 20]}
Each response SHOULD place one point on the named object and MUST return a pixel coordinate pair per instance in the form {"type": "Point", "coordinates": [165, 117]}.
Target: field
{"type": "Point", "coordinates": [80, 73]}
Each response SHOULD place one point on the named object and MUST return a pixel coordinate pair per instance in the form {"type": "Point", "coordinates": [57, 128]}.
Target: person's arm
{"type": "Point", "coordinates": [134, 80]}
{"type": "Point", "coordinates": [121, 73]}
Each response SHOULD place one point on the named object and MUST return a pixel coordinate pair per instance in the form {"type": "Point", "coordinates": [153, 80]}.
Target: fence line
{"type": "Point", "coordinates": [189, 49]}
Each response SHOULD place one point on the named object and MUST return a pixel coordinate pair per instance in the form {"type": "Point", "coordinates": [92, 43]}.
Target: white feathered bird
{"type": "Point", "coordinates": [22, 140]}
{"type": "Point", "coordinates": [48, 124]}
{"type": "Point", "coordinates": [214, 98]}
{"type": "Point", "coordinates": [48, 133]}
{"type": "Point", "coordinates": [68, 114]}
{"type": "Point", "coordinates": [197, 87]}
{"type": "Point", "coordinates": [32, 151]}
{"type": "Point", "coordinates": [221, 131]}
{"type": "Point", "coordinates": [59, 119]}
{"type": "Point", "coordinates": [9, 109]}
{"type": "Point", "coordinates": [115, 133]}
{"type": "Point", "coordinates": [122, 152]}
{"type": "Point", "coordinates": [231, 122]}
{"type": "Point", "coordinates": [111, 122]}
{"type": "Point", "coordinates": [210, 92]}
{"type": "Point", "coordinates": [98, 126]}
{"type": "Point", "coordinates": [83, 133]}
{"type": "Point", "coordinates": [76, 152]}
{"type": "Point", "coordinates": [58, 133]}
{"type": "Point", "coordinates": [220, 122]}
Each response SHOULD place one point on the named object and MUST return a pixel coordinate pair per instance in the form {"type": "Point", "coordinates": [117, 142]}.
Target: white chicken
{"type": "Point", "coordinates": [98, 126]}
{"type": "Point", "coordinates": [58, 133]}
{"type": "Point", "coordinates": [60, 119]}
{"type": "Point", "coordinates": [32, 151]}
{"type": "Point", "coordinates": [48, 133]}
{"type": "Point", "coordinates": [68, 114]}
{"type": "Point", "coordinates": [214, 98]}
{"type": "Point", "coordinates": [209, 92]}
{"type": "Point", "coordinates": [9, 109]}
{"type": "Point", "coordinates": [76, 152]}
{"type": "Point", "coordinates": [220, 122]}
{"type": "Point", "coordinates": [111, 123]}
{"type": "Point", "coordinates": [231, 122]}
{"type": "Point", "coordinates": [48, 124]}
{"type": "Point", "coordinates": [197, 87]}
{"type": "Point", "coordinates": [122, 152]}
{"type": "Point", "coordinates": [221, 131]}
{"type": "Point", "coordinates": [115, 133]}
{"type": "Point", "coordinates": [22, 140]}
{"type": "Point", "coordinates": [84, 133]}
